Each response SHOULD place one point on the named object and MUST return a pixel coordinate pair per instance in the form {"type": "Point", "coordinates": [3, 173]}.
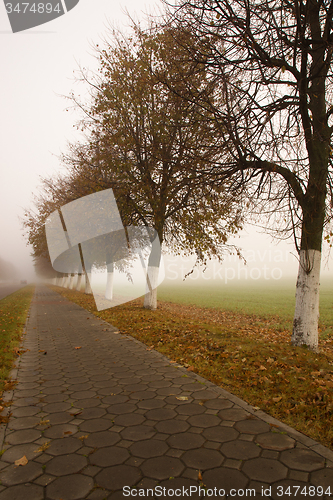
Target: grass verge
{"type": "Point", "coordinates": [13, 314]}
{"type": "Point", "coordinates": [246, 354]}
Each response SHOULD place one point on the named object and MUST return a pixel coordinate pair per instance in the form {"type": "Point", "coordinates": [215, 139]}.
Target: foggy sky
{"type": "Point", "coordinates": [37, 69]}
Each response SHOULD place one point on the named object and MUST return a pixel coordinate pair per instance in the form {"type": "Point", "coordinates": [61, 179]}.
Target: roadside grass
{"type": "Point", "coordinates": [244, 353]}
{"type": "Point", "coordinates": [13, 314]}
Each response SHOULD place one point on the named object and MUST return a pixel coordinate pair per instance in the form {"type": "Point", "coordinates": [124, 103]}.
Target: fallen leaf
{"type": "Point", "coordinates": [75, 414]}
{"type": "Point", "coordinates": [80, 347]}
{"type": "Point", "coordinates": [199, 476]}
{"type": "Point", "coordinates": [262, 368]}
{"type": "Point", "coordinates": [182, 398]}
{"type": "Point", "coordinates": [41, 350]}
{"type": "Point", "coordinates": [83, 437]}
{"type": "Point", "coordinates": [96, 340]}
{"type": "Point", "coordinates": [190, 369]}
{"type": "Point", "coordinates": [44, 422]}
{"type": "Point", "coordinates": [44, 447]}
{"type": "Point", "coordinates": [276, 400]}
{"type": "Point", "coordinates": [68, 432]}
{"type": "Point", "coordinates": [21, 461]}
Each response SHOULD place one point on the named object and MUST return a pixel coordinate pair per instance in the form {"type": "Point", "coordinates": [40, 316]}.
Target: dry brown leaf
{"type": "Point", "coordinates": [44, 422]}
{"type": "Point", "coordinates": [182, 398]}
{"type": "Point", "coordinates": [21, 461]}
{"type": "Point", "coordinates": [190, 369]}
{"type": "Point", "coordinates": [276, 400]}
{"type": "Point", "coordinates": [68, 432]}
{"type": "Point", "coordinates": [83, 437]}
{"type": "Point", "coordinates": [262, 368]}
{"type": "Point", "coordinates": [199, 476]}
{"type": "Point", "coordinates": [80, 347]}
{"type": "Point", "coordinates": [44, 447]}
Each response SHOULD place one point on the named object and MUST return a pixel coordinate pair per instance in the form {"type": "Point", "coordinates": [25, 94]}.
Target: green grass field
{"type": "Point", "coordinates": [262, 299]}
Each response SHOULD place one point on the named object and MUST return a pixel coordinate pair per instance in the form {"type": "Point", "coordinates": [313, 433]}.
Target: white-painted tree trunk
{"type": "Point", "coordinates": [71, 282]}
{"type": "Point", "coordinates": [109, 286]}
{"type": "Point", "coordinates": [66, 281]}
{"type": "Point", "coordinates": [305, 328]}
{"type": "Point", "coordinates": [79, 282]}
{"type": "Point", "coordinates": [150, 300]}
{"type": "Point", "coordinates": [88, 286]}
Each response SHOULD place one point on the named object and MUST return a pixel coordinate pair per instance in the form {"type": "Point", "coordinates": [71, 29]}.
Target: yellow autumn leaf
{"type": "Point", "coordinates": [21, 461]}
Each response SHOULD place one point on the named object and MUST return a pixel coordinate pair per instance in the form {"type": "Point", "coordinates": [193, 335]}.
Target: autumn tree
{"type": "Point", "coordinates": [271, 62]}
{"type": "Point", "coordinates": [157, 151]}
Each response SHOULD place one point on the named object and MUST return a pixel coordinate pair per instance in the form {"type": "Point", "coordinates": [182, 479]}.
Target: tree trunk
{"type": "Point", "coordinates": [305, 328]}
{"type": "Point", "coordinates": [150, 301]}
{"type": "Point", "coordinates": [88, 286]}
{"type": "Point", "coordinates": [79, 282]}
{"type": "Point", "coordinates": [71, 282]}
{"type": "Point", "coordinates": [109, 282]}
{"type": "Point", "coordinates": [66, 281]}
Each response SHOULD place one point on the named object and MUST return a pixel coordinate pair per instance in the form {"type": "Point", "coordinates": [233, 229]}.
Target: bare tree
{"type": "Point", "coordinates": [271, 62]}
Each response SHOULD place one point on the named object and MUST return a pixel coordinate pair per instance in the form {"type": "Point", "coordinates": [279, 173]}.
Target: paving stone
{"type": "Point", "coordinates": [87, 403]}
{"type": "Point", "coordinates": [56, 407]}
{"type": "Point", "coordinates": [24, 436]}
{"type": "Point", "coordinates": [129, 419]}
{"type": "Point", "coordinates": [13, 475]}
{"type": "Point", "coordinates": [275, 441]}
{"type": "Point", "coordinates": [23, 492]}
{"type": "Point", "coordinates": [25, 411]}
{"type": "Point", "coordinates": [149, 404]}
{"type": "Point", "coordinates": [251, 426]}
{"type": "Point", "coordinates": [305, 460]}
{"type": "Point", "coordinates": [323, 478]}
{"type": "Point", "coordinates": [16, 452]}
{"type": "Point", "coordinates": [64, 446]}
{"type": "Point", "coordinates": [202, 459]}
{"type": "Point", "coordinates": [182, 487]}
{"type": "Point", "coordinates": [59, 431]}
{"type": "Point", "coordinates": [234, 414]}
{"type": "Point", "coordinates": [44, 480]}
{"type": "Point", "coordinates": [162, 467]}
{"type": "Point", "coordinates": [149, 448]}
{"type": "Point", "coordinates": [66, 464]}
{"type": "Point", "coordinates": [106, 457]}
{"type": "Point", "coordinates": [242, 450]}
{"type": "Point", "coordinates": [220, 434]}
{"type": "Point", "coordinates": [89, 413]}
{"type": "Point", "coordinates": [102, 439]}
{"type": "Point", "coordinates": [172, 426]}
{"type": "Point", "coordinates": [72, 487]}
{"type": "Point", "coordinates": [264, 469]}
{"type": "Point", "coordinates": [190, 409]}
{"type": "Point", "coordinates": [204, 420]}
{"type": "Point", "coordinates": [62, 417]}
{"type": "Point", "coordinates": [186, 441]}
{"type": "Point", "coordinates": [137, 433]}
{"type": "Point", "coordinates": [160, 414]}
{"type": "Point", "coordinates": [224, 478]}
{"type": "Point", "coordinates": [120, 409]}
{"type": "Point", "coordinates": [96, 425]}
{"type": "Point", "coordinates": [114, 478]}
